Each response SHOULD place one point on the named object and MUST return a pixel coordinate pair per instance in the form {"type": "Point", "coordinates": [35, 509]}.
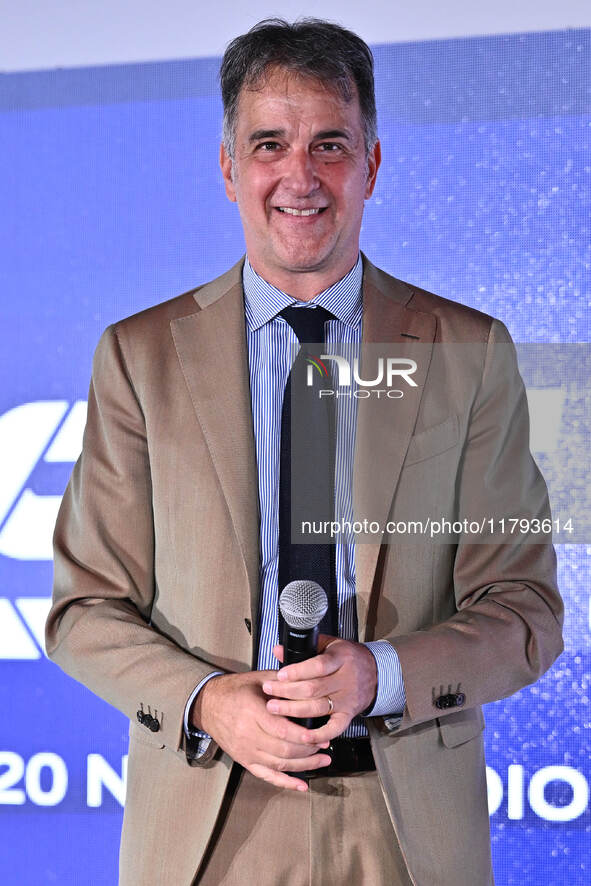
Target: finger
{"type": "Point", "coordinates": [313, 688]}
{"type": "Point", "coordinates": [324, 641]}
{"type": "Point", "coordinates": [303, 764]}
{"type": "Point", "coordinates": [335, 726]}
{"type": "Point", "coordinates": [274, 770]}
{"type": "Point", "coordinates": [293, 765]}
{"type": "Point", "coordinates": [276, 778]}
{"type": "Point", "coordinates": [284, 729]}
{"type": "Point", "coordinates": [314, 707]}
{"type": "Point", "coordinates": [267, 675]}
{"type": "Point", "coordinates": [317, 666]}
{"type": "Point", "coordinates": [285, 750]}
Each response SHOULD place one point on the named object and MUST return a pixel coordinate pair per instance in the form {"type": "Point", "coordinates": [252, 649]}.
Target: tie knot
{"type": "Point", "coordinates": [307, 323]}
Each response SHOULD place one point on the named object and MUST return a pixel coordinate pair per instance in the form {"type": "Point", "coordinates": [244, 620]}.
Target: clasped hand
{"type": "Point", "coordinates": [247, 714]}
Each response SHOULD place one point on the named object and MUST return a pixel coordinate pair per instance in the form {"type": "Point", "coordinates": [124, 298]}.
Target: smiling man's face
{"type": "Point", "coordinates": [300, 176]}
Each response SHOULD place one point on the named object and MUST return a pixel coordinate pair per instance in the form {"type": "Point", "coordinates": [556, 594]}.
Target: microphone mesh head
{"type": "Point", "coordinates": [303, 604]}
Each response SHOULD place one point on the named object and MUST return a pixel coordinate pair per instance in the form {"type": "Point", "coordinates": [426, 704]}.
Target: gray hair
{"type": "Point", "coordinates": [310, 47]}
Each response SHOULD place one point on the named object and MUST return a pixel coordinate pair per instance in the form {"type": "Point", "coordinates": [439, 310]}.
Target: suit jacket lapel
{"type": "Point", "coordinates": [211, 346]}
{"type": "Point", "coordinates": [385, 426]}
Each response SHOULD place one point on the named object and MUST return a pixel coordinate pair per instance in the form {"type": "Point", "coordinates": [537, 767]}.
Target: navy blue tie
{"type": "Point", "coordinates": [306, 478]}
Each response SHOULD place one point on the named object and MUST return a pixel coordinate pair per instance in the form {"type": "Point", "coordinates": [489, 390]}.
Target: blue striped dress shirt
{"type": "Point", "coordinates": [272, 346]}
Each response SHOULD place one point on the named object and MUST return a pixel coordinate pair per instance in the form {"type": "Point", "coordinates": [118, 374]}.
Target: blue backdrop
{"type": "Point", "coordinates": [112, 201]}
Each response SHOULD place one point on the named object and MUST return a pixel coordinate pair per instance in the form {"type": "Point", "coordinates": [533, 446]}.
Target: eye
{"type": "Point", "coordinates": [267, 147]}
{"type": "Point", "coordinates": [329, 147]}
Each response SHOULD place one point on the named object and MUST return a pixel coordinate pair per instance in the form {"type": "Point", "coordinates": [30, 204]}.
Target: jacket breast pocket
{"type": "Point", "coordinates": [433, 441]}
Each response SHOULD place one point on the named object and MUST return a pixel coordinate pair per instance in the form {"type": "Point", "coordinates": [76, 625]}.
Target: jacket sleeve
{"type": "Point", "coordinates": [506, 631]}
{"type": "Point", "coordinates": [99, 630]}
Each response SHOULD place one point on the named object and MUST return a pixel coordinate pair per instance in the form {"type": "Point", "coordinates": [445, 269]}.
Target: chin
{"type": "Point", "coordinates": [304, 260]}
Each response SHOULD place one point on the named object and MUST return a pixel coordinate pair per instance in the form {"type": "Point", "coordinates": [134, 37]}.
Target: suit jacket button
{"type": "Point", "coordinates": [154, 726]}
{"type": "Point", "coordinates": [140, 717]}
{"type": "Point", "coordinates": [445, 701]}
{"type": "Point", "coordinates": [460, 699]}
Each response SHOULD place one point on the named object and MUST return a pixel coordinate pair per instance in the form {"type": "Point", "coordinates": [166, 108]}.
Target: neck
{"type": "Point", "coordinates": [303, 285]}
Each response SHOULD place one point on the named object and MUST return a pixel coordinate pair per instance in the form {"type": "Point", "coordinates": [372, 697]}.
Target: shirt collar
{"type": "Point", "coordinates": [262, 301]}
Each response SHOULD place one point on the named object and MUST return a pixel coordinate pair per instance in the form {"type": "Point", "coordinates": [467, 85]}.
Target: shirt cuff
{"type": "Point", "coordinates": [190, 730]}
{"type": "Point", "coordinates": [390, 697]}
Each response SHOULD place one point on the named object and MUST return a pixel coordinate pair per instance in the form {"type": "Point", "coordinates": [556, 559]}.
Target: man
{"type": "Point", "coordinates": [168, 543]}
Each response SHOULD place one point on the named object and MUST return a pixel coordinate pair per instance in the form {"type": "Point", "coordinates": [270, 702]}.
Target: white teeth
{"type": "Point", "coordinates": [291, 211]}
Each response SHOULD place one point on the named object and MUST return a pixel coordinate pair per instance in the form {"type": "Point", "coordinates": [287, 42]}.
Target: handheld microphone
{"type": "Point", "coordinates": [303, 605]}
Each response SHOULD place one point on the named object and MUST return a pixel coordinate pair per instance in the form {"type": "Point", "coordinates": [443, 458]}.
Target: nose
{"type": "Point", "coordinates": [299, 173]}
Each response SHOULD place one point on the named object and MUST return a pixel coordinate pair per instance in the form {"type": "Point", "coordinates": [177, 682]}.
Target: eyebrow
{"type": "Point", "coordinates": [334, 133]}
{"type": "Point", "coordinates": [261, 134]}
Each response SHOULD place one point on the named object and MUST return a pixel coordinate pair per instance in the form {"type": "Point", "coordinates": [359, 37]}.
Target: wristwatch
{"type": "Point", "coordinates": [200, 746]}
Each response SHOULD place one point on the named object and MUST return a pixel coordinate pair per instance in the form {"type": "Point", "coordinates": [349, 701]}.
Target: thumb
{"type": "Point", "coordinates": [324, 641]}
{"type": "Point", "coordinates": [278, 652]}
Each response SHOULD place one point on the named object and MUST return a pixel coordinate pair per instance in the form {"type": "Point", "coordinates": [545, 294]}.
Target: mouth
{"type": "Point", "coordinates": [300, 213]}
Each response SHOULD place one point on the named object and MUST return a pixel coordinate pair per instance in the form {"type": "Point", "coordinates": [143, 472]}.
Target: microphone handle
{"type": "Point", "coordinates": [300, 645]}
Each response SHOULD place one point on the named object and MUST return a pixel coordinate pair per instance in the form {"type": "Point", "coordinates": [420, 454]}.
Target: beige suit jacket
{"type": "Point", "coordinates": [157, 562]}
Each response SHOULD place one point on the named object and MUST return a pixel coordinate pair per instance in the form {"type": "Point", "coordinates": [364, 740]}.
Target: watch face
{"type": "Point", "coordinates": [201, 747]}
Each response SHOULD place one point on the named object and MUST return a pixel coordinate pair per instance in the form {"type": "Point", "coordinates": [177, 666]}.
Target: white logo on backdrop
{"type": "Point", "coordinates": [22, 627]}
{"type": "Point", "coordinates": [48, 431]}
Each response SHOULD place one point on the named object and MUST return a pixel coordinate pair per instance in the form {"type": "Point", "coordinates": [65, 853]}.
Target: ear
{"type": "Point", "coordinates": [226, 167]}
{"type": "Point", "coordinates": [373, 164]}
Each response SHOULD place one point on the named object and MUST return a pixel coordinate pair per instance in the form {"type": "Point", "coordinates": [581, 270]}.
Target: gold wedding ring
{"type": "Point", "coordinates": [330, 705]}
